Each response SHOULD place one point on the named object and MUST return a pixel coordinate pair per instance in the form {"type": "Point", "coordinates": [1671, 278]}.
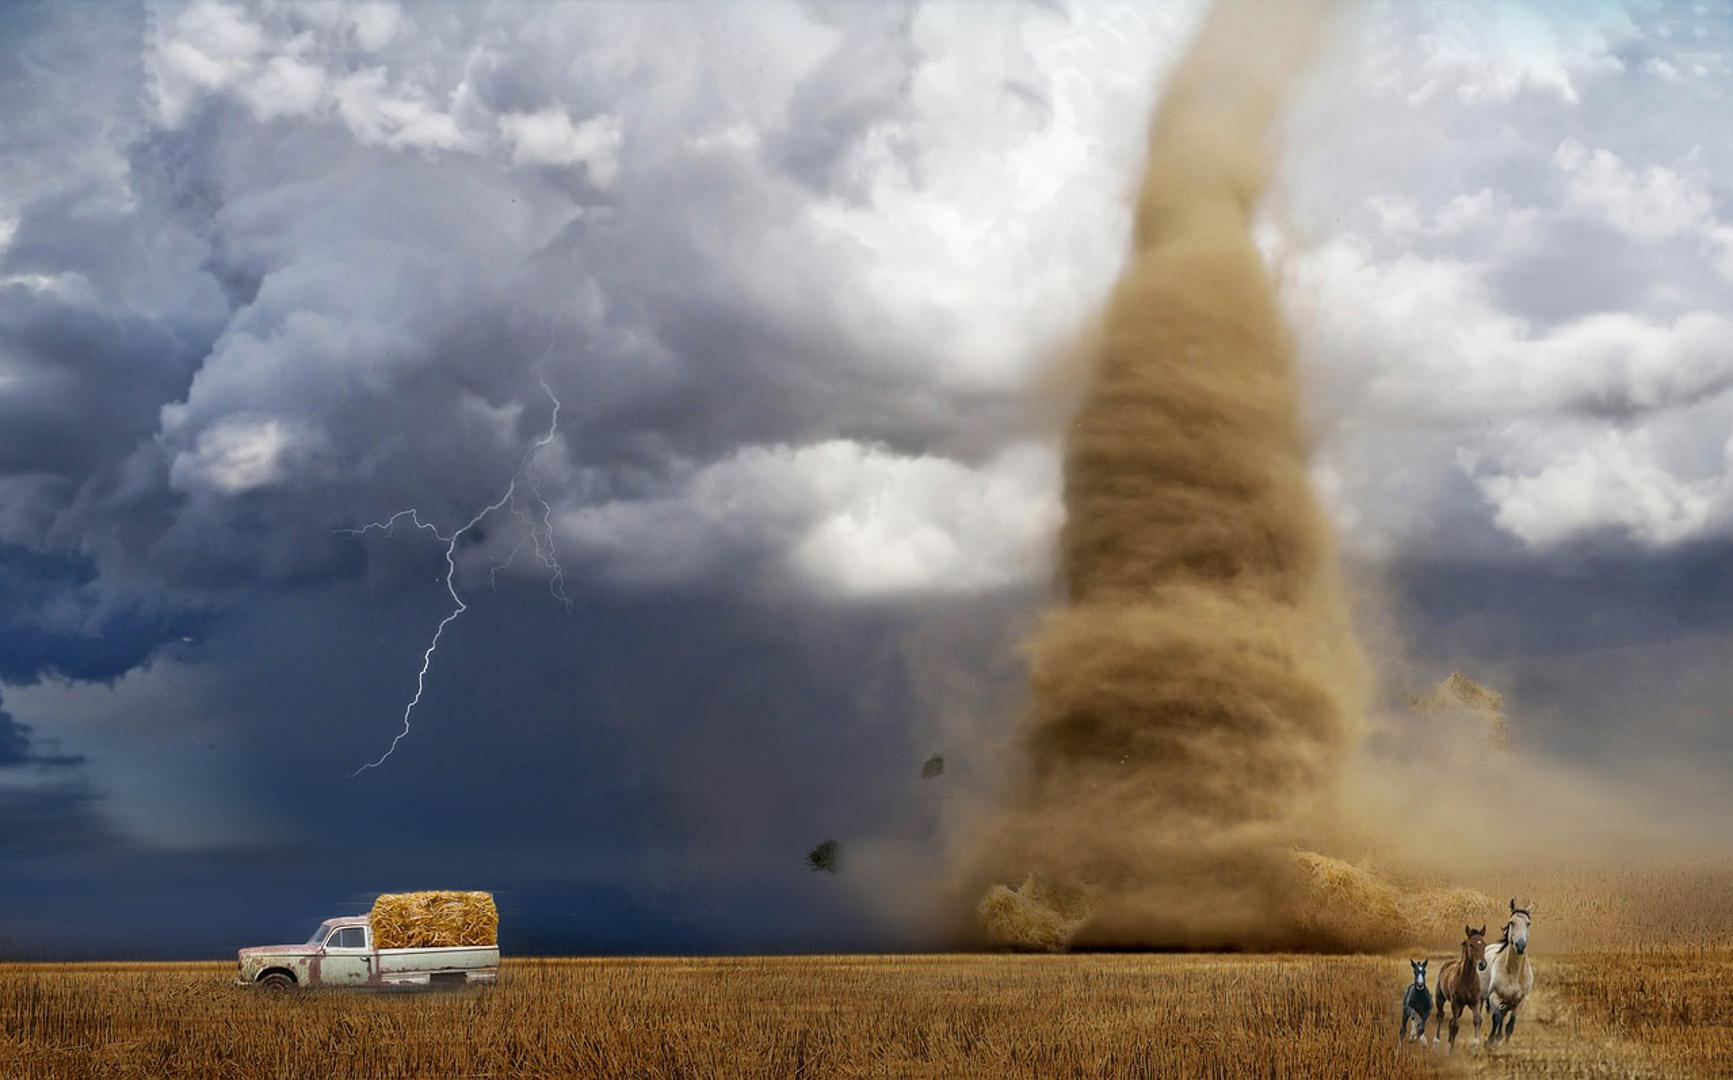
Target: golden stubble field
{"type": "Point", "coordinates": [1648, 991]}
{"type": "Point", "coordinates": [1656, 1013]}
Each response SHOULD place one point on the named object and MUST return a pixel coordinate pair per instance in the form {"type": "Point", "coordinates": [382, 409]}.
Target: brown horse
{"type": "Point", "coordinates": [1460, 986]}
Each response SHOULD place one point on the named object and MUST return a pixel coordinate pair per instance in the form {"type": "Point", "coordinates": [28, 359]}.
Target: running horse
{"type": "Point", "coordinates": [1461, 985]}
{"type": "Point", "coordinates": [1509, 975]}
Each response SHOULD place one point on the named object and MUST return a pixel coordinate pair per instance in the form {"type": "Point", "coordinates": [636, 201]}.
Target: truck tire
{"type": "Point", "coordinates": [277, 980]}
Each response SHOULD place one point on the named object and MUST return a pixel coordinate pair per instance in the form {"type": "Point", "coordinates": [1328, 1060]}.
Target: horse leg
{"type": "Point", "coordinates": [1499, 1014]}
{"type": "Point", "coordinates": [1476, 1008]}
{"type": "Point", "coordinates": [1420, 1027]}
{"type": "Point", "coordinates": [1438, 1017]}
{"type": "Point", "coordinates": [1510, 1024]}
{"type": "Point", "coordinates": [1455, 1022]}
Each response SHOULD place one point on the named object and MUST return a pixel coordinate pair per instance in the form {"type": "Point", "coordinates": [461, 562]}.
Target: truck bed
{"type": "Point", "coordinates": [478, 963]}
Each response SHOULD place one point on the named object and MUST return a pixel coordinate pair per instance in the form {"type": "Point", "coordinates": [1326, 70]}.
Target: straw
{"type": "Point", "coordinates": [421, 920]}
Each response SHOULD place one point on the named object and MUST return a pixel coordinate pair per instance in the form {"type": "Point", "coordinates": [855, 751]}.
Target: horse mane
{"type": "Point", "coordinates": [1514, 912]}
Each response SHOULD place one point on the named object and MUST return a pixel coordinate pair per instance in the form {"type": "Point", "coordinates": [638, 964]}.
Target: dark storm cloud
{"type": "Point", "coordinates": [1604, 655]}
{"type": "Point", "coordinates": [55, 620]}
{"type": "Point", "coordinates": [105, 314]}
{"type": "Point", "coordinates": [383, 295]}
{"type": "Point", "coordinates": [16, 749]}
{"type": "Point", "coordinates": [48, 808]}
{"type": "Point", "coordinates": [227, 334]}
{"type": "Point", "coordinates": [635, 775]}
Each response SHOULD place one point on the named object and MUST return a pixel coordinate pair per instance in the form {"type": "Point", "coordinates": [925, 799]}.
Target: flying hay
{"type": "Point", "coordinates": [1460, 694]}
{"type": "Point", "coordinates": [422, 920]}
{"type": "Point", "coordinates": [1353, 904]}
{"type": "Point", "coordinates": [1035, 916]}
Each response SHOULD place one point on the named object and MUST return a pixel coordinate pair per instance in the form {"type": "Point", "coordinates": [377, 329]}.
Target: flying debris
{"type": "Point", "coordinates": [824, 857]}
{"type": "Point", "coordinates": [538, 536]}
{"type": "Point", "coordinates": [933, 766]}
{"type": "Point", "coordinates": [1461, 695]}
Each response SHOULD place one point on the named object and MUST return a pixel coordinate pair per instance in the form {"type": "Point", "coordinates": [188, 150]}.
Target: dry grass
{"type": "Point", "coordinates": [1614, 1015]}
{"type": "Point", "coordinates": [1649, 993]}
{"type": "Point", "coordinates": [834, 1016]}
{"type": "Point", "coordinates": [1116, 1015]}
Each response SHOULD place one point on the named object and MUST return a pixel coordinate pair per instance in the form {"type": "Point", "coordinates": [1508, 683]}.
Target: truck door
{"type": "Point", "coordinates": [348, 961]}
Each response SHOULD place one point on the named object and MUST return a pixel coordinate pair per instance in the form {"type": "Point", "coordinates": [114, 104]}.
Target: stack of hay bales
{"type": "Point", "coordinates": [422, 920]}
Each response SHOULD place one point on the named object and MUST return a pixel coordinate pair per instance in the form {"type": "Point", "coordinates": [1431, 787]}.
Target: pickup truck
{"type": "Point", "coordinates": [341, 953]}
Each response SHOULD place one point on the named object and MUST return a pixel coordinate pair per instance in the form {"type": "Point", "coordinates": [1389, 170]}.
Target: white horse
{"type": "Point", "coordinates": [1509, 973]}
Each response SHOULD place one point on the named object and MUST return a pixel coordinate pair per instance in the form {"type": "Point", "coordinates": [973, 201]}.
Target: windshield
{"type": "Point", "coordinates": [319, 934]}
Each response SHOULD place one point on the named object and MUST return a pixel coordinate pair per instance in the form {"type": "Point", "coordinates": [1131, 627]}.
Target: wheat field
{"type": "Point", "coordinates": [892, 1016]}
{"type": "Point", "coordinates": [1635, 978]}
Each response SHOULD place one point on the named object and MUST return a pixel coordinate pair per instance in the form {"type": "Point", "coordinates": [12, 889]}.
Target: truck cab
{"type": "Point", "coordinates": [341, 952]}
{"type": "Point", "coordinates": [347, 959]}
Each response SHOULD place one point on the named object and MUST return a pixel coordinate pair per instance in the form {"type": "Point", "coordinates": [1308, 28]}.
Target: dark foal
{"type": "Point", "coordinates": [1416, 1004]}
{"type": "Point", "coordinates": [1460, 986]}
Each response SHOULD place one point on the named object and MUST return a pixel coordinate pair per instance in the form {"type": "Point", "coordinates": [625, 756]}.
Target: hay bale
{"type": "Point", "coordinates": [422, 920]}
{"type": "Point", "coordinates": [1348, 903]}
{"type": "Point", "coordinates": [1034, 916]}
{"type": "Point", "coordinates": [1437, 916]}
{"type": "Point", "coordinates": [1353, 904]}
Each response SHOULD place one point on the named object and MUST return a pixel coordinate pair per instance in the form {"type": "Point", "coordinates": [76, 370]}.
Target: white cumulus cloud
{"type": "Point", "coordinates": [548, 137]}
{"type": "Point", "coordinates": [1612, 482]}
{"type": "Point", "coordinates": [840, 517]}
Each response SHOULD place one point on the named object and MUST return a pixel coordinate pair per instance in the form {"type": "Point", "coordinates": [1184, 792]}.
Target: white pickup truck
{"type": "Point", "coordinates": [341, 953]}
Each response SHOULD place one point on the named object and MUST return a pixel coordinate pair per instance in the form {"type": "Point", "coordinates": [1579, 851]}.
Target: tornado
{"type": "Point", "coordinates": [1195, 697]}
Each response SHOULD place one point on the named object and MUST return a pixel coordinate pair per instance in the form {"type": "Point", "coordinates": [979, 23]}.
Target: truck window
{"type": "Point", "coordinates": [319, 934]}
{"type": "Point", "coordinates": [349, 937]}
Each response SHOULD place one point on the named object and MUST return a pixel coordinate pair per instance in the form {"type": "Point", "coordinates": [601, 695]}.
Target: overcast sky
{"type": "Point", "coordinates": [798, 275]}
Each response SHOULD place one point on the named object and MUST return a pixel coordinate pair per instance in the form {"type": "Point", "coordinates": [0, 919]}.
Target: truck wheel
{"type": "Point", "coordinates": [277, 980]}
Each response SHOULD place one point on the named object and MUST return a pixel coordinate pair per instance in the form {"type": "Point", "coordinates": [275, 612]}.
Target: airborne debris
{"type": "Point", "coordinates": [1036, 916]}
{"type": "Point", "coordinates": [1347, 902]}
{"type": "Point", "coordinates": [1461, 694]}
{"type": "Point", "coordinates": [824, 857]}
{"type": "Point", "coordinates": [933, 766]}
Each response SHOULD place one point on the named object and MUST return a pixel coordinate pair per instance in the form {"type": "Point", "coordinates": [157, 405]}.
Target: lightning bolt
{"type": "Point", "coordinates": [538, 535]}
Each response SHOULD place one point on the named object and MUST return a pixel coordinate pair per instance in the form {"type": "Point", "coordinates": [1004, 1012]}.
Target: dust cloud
{"type": "Point", "coordinates": [1195, 701]}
